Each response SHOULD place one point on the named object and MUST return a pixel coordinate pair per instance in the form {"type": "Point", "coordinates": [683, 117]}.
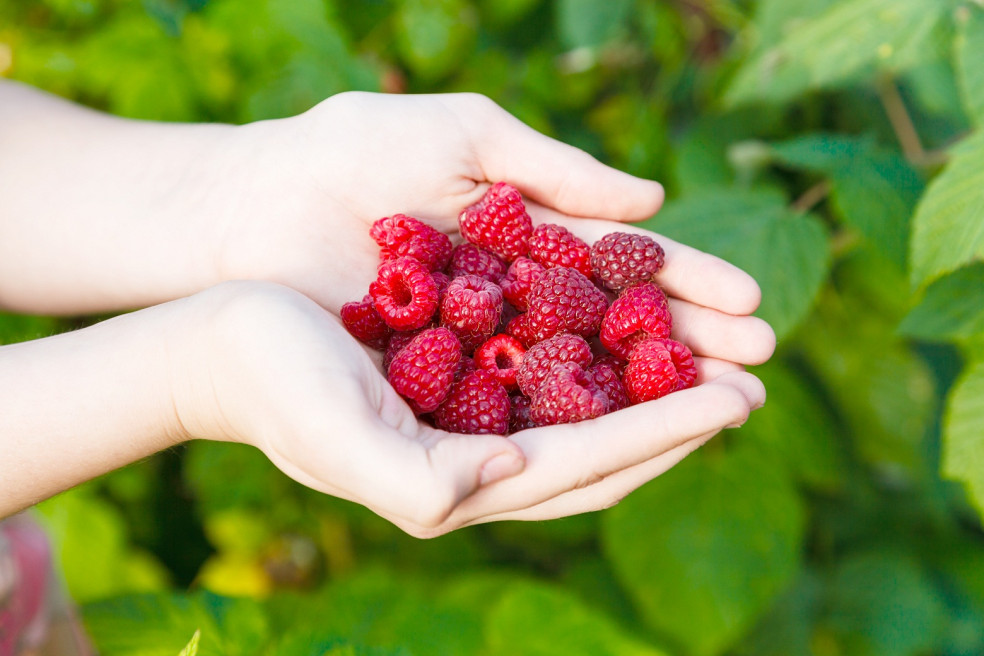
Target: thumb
{"type": "Point", "coordinates": [556, 174]}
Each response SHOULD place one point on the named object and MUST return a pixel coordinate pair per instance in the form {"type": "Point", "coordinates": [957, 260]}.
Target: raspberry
{"type": "Point", "coordinates": [543, 356]}
{"type": "Point", "coordinates": [606, 376]}
{"type": "Point", "coordinates": [520, 328]}
{"type": "Point", "coordinates": [564, 300]}
{"type": "Point", "coordinates": [522, 273]}
{"type": "Point", "coordinates": [621, 259]}
{"type": "Point", "coordinates": [401, 235]}
{"type": "Point", "coordinates": [658, 367]}
{"type": "Point", "coordinates": [405, 294]}
{"type": "Point", "coordinates": [566, 396]}
{"type": "Point", "coordinates": [441, 279]}
{"type": "Point", "coordinates": [519, 413]}
{"type": "Point", "coordinates": [477, 404]}
{"type": "Point", "coordinates": [638, 313]}
{"type": "Point", "coordinates": [502, 356]}
{"type": "Point", "coordinates": [396, 343]}
{"type": "Point", "coordinates": [498, 222]}
{"type": "Point", "coordinates": [423, 371]}
{"type": "Point", "coordinates": [471, 307]}
{"type": "Point", "coordinates": [470, 259]}
{"type": "Point", "coordinates": [465, 366]}
{"type": "Point", "coordinates": [365, 324]}
{"type": "Point", "coordinates": [553, 245]}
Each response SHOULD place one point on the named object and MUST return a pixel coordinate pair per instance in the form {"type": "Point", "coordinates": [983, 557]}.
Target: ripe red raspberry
{"type": "Point", "coordinates": [465, 366]}
{"type": "Point", "coordinates": [476, 404]}
{"type": "Point", "coordinates": [564, 300]}
{"type": "Point", "coordinates": [498, 222]}
{"type": "Point", "coordinates": [566, 396]}
{"type": "Point", "coordinates": [400, 235]}
{"type": "Point", "coordinates": [606, 376]}
{"type": "Point", "coordinates": [423, 371]}
{"type": "Point", "coordinates": [658, 367]}
{"type": "Point", "coordinates": [543, 356]}
{"type": "Point", "coordinates": [553, 245]}
{"type": "Point", "coordinates": [640, 312]}
{"type": "Point", "coordinates": [470, 259]}
{"type": "Point", "coordinates": [519, 327]}
{"type": "Point", "coordinates": [471, 308]}
{"type": "Point", "coordinates": [519, 413]}
{"type": "Point", "coordinates": [516, 284]}
{"type": "Point", "coordinates": [621, 259]}
{"type": "Point", "coordinates": [501, 356]}
{"type": "Point", "coordinates": [405, 294]}
{"type": "Point", "coordinates": [365, 324]}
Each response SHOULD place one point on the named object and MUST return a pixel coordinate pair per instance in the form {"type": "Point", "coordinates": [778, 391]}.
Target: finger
{"type": "Point", "coordinates": [553, 173]}
{"type": "Point", "coordinates": [566, 457]}
{"type": "Point", "coordinates": [606, 492]}
{"type": "Point", "coordinates": [687, 273]}
{"type": "Point", "coordinates": [709, 369]}
{"type": "Point", "coordinates": [708, 332]}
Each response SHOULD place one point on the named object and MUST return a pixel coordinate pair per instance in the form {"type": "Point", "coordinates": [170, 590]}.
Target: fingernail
{"type": "Point", "coordinates": [735, 425]}
{"type": "Point", "coordinates": [501, 466]}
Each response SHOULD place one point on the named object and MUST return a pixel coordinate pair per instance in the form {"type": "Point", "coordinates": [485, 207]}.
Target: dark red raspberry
{"type": "Point", "coordinates": [423, 371]}
{"type": "Point", "coordinates": [658, 367]}
{"type": "Point", "coordinates": [638, 313]}
{"type": "Point", "coordinates": [441, 279]}
{"type": "Point", "coordinates": [564, 300]}
{"type": "Point", "coordinates": [396, 343]}
{"type": "Point", "coordinates": [566, 396]}
{"type": "Point", "coordinates": [400, 235]}
{"type": "Point", "coordinates": [470, 259]}
{"type": "Point", "coordinates": [471, 308]}
{"type": "Point", "coordinates": [498, 222]}
{"type": "Point", "coordinates": [405, 294]}
{"type": "Point", "coordinates": [502, 356]}
{"type": "Point", "coordinates": [621, 259]}
{"type": "Point", "coordinates": [519, 327]}
{"type": "Point", "coordinates": [477, 404]}
{"type": "Point", "coordinates": [543, 356]}
{"type": "Point", "coordinates": [516, 284]}
{"type": "Point", "coordinates": [365, 324]}
{"type": "Point", "coordinates": [553, 246]}
{"type": "Point", "coordinates": [606, 377]}
{"type": "Point", "coordinates": [465, 366]}
{"type": "Point", "coordinates": [519, 413]}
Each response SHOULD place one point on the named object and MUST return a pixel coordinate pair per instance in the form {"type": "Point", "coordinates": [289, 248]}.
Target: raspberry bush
{"type": "Point", "coordinates": [832, 148]}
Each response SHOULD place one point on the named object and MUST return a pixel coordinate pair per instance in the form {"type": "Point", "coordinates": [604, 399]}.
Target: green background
{"type": "Point", "coordinates": [832, 148]}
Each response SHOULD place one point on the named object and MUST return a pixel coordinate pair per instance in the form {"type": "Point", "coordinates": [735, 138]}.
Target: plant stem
{"type": "Point", "coordinates": [812, 196]}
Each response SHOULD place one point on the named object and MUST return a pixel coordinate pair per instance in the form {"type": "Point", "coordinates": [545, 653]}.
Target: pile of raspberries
{"type": "Point", "coordinates": [518, 326]}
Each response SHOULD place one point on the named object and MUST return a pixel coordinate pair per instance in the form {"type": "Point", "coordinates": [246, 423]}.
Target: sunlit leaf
{"type": "Point", "coordinates": [963, 433]}
{"type": "Point", "coordinates": [586, 23]}
{"type": "Point", "coordinates": [968, 46]}
{"type": "Point", "coordinates": [948, 229]}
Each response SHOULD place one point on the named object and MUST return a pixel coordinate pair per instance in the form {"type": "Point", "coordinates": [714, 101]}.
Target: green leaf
{"type": "Point", "coordinates": [796, 429]}
{"type": "Point", "coordinates": [968, 46]}
{"type": "Point", "coordinates": [93, 551]}
{"type": "Point", "coordinates": [885, 604]}
{"type": "Point", "coordinates": [153, 625]}
{"type": "Point", "coordinates": [191, 649]}
{"type": "Point", "coordinates": [787, 253]}
{"type": "Point", "coordinates": [434, 36]}
{"type": "Point", "coordinates": [951, 309]}
{"type": "Point", "coordinates": [588, 23]}
{"type": "Point", "coordinates": [948, 228]}
{"type": "Point", "coordinates": [704, 549]}
{"type": "Point", "coordinates": [873, 190]}
{"type": "Point", "coordinates": [21, 328]}
{"type": "Point", "coordinates": [847, 42]}
{"type": "Point", "coordinates": [535, 619]}
{"type": "Point", "coordinates": [963, 433]}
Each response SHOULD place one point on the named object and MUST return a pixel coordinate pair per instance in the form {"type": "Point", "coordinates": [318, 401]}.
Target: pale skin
{"type": "Point", "coordinates": [246, 241]}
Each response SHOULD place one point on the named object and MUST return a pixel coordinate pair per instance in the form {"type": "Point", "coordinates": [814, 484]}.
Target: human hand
{"type": "Point", "coordinates": [275, 370]}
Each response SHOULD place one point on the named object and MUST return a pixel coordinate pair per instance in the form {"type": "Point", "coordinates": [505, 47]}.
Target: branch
{"type": "Point", "coordinates": [811, 197]}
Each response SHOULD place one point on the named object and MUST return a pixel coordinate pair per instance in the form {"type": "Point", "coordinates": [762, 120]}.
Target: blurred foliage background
{"type": "Point", "coordinates": [832, 148]}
